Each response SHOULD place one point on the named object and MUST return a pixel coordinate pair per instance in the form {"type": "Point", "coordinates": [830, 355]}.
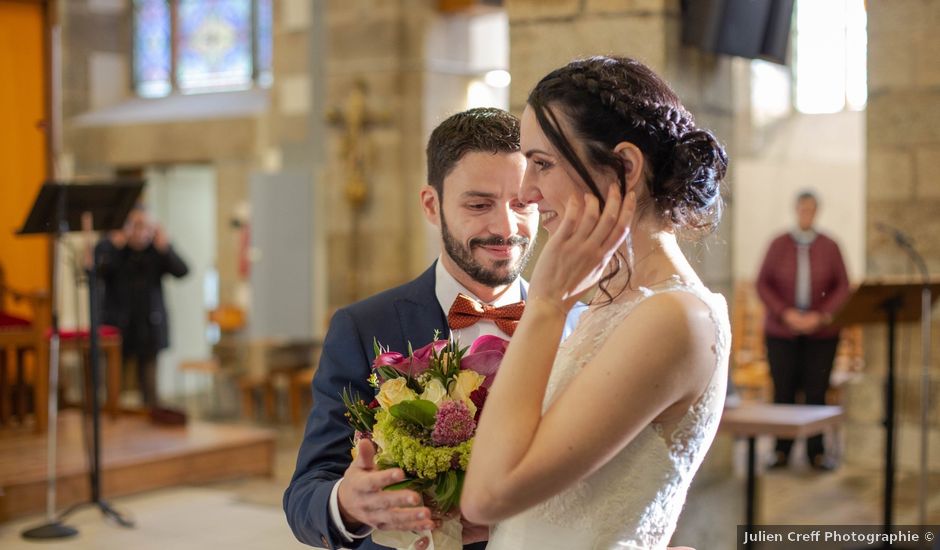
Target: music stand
{"type": "Point", "coordinates": [57, 210]}
{"type": "Point", "coordinates": [875, 302]}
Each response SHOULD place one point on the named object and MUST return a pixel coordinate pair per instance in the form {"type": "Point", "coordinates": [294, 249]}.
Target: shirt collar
{"type": "Point", "coordinates": [803, 237]}
{"type": "Point", "coordinates": [446, 287]}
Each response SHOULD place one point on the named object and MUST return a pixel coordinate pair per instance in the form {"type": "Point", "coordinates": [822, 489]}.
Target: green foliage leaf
{"type": "Point", "coordinates": [361, 417]}
{"type": "Point", "coordinates": [416, 411]}
{"type": "Point", "coordinates": [406, 484]}
{"type": "Point", "coordinates": [447, 488]}
{"type": "Point", "coordinates": [388, 373]}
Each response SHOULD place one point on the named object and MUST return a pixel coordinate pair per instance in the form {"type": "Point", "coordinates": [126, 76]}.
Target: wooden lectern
{"type": "Point", "coordinates": [876, 302]}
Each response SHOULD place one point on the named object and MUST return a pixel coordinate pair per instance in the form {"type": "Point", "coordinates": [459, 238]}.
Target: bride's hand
{"type": "Point", "coordinates": [577, 254]}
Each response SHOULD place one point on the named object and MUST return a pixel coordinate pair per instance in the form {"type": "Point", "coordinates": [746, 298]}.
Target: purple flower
{"type": "Point", "coordinates": [478, 397]}
{"type": "Point", "coordinates": [391, 359]}
{"type": "Point", "coordinates": [488, 342]}
{"type": "Point", "coordinates": [454, 425]}
{"type": "Point", "coordinates": [422, 356]}
{"type": "Point", "coordinates": [484, 357]}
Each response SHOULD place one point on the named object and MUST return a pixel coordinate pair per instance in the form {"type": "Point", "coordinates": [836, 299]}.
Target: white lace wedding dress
{"type": "Point", "coordinates": [633, 501]}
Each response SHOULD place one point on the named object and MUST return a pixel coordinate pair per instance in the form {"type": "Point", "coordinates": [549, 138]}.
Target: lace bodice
{"type": "Point", "coordinates": [634, 500]}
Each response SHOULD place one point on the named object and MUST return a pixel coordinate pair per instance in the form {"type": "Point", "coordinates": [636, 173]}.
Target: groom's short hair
{"type": "Point", "coordinates": [482, 129]}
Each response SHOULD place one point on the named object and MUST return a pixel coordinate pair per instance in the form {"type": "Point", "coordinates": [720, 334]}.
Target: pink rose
{"type": "Point", "coordinates": [484, 357]}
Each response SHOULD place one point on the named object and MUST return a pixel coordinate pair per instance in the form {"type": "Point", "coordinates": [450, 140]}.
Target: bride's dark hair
{"type": "Point", "coordinates": [609, 100]}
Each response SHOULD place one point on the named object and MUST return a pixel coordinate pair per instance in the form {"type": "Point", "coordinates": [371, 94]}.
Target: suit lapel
{"type": "Point", "coordinates": [419, 312]}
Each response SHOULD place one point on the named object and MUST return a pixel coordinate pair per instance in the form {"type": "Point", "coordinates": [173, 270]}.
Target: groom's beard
{"type": "Point", "coordinates": [462, 255]}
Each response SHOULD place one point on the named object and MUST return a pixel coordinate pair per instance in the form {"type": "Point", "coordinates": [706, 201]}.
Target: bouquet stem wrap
{"type": "Point", "coordinates": [448, 537]}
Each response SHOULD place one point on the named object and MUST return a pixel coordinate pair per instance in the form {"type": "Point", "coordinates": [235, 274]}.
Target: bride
{"type": "Point", "coordinates": [593, 443]}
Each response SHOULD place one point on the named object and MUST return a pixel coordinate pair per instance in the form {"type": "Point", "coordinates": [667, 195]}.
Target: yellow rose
{"type": "Point", "coordinates": [434, 392]}
{"type": "Point", "coordinates": [463, 386]}
{"type": "Point", "coordinates": [394, 392]}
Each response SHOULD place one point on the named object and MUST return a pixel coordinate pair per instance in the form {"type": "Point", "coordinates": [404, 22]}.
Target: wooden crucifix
{"type": "Point", "coordinates": [357, 158]}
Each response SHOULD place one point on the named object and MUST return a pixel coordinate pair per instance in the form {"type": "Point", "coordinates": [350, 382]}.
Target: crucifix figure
{"type": "Point", "coordinates": [355, 118]}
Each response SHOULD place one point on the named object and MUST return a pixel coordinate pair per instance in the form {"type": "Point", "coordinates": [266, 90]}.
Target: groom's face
{"type": "Point", "coordinates": [487, 231]}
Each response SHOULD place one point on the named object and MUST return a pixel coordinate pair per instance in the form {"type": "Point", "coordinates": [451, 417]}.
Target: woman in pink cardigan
{"type": "Point", "coordinates": [802, 283]}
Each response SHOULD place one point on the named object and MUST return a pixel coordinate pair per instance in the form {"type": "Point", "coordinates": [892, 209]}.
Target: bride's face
{"type": "Point", "coordinates": [549, 179]}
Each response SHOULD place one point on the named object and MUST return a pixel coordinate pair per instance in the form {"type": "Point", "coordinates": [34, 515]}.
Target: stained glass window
{"type": "Point", "coordinates": [220, 45]}
{"type": "Point", "coordinates": [152, 48]}
{"type": "Point", "coordinates": [213, 45]}
{"type": "Point", "coordinates": [264, 43]}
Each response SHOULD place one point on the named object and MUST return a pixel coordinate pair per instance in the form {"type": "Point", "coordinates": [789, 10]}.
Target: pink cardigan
{"type": "Point", "coordinates": [776, 283]}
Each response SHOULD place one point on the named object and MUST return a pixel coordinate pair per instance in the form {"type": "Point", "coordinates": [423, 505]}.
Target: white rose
{"type": "Point", "coordinates": [434, 391]}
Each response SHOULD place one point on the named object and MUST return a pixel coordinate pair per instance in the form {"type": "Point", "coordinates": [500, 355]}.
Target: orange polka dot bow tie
{"type": "Point", "coordinates": [466, 312]}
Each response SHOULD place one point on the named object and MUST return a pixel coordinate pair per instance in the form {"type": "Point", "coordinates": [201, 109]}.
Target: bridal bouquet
{"type": "Point", "coordinates": [422, 420]}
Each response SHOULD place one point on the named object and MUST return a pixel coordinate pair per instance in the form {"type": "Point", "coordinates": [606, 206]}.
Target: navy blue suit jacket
{"type": "Point", "coordinates": [409, 313]}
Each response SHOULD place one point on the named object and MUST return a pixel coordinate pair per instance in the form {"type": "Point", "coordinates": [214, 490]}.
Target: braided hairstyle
{"type": "Point", "coordinates": [609, 100]}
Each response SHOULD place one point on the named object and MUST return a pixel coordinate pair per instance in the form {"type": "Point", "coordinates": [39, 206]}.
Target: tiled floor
{"type": "Point", "coordinates": [246, 514]}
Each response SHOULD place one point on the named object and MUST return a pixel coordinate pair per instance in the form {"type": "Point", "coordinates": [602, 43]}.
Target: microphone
{"type": "Point", "coordinates": [900, 237]}
{"type": "Point", "coordinates": [906, 243]}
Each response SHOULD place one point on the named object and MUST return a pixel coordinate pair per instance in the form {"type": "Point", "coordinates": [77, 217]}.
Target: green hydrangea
{"type": "Point", "coordinates": [412, 454]}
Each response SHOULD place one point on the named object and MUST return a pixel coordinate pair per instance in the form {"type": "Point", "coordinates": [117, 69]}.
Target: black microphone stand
{"type": "Point", "coordinates": [58, 209]}
{"type": "Point", "coordinates": [905, 243]}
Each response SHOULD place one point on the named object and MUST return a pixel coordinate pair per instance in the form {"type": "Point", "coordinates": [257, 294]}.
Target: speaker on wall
{"type": "Point", "coordinates": [746, 28]}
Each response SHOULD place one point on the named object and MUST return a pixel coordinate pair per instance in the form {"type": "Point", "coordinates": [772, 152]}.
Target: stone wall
{"type": "Point", "coordinates": [903, 165]}
{"type": "Point", "coordinates": [382, 45]}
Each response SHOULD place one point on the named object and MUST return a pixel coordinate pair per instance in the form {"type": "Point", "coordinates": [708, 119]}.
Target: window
{"type": "Point", "coordinates": [197, 46]}
{"type": "Point", "coordinates": [827, 73]}
{"type": "Point", "coordinates": [830, 56]}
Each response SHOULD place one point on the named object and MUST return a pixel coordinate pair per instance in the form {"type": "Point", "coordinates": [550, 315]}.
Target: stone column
{"type": "Point", "coordinates": [903, 161]}
{"type": "Point", "coordinates": [381, 45]}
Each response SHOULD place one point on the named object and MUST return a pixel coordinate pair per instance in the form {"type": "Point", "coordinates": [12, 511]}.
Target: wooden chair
{"type": "Point", "coordinates": [299, 396]}
{"type": "Point", "coordinates": [274, 366]}
{"type": "Point", "coordinates": [749, 369]}
{"type": "Point", "coordinates": [23, 383]}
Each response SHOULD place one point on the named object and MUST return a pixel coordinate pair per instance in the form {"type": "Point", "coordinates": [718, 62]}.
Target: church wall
{"type": "Point", "coordinates": [903, 190]}
{"type": "Point", "coordinates": [823, 153]}
{"type": "Point", "coordinates": [382, 45]}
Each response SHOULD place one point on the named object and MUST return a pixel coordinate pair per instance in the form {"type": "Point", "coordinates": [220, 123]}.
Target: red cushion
{"type": "Point", "coordinates": [104, 331]}
{"type": "Point", "coordinates": [9, 321]}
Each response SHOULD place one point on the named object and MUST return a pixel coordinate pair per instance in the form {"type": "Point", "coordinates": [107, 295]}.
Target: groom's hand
{"type": "Point", "coordinates": [363, 502]}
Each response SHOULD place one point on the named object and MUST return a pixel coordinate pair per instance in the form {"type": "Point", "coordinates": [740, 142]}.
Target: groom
{"type": "Point", "coordinates": [475, 171]}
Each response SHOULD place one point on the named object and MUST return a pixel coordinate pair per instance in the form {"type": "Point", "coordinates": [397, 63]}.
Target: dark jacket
{"type": "Point", "coordinates": [132, 294]}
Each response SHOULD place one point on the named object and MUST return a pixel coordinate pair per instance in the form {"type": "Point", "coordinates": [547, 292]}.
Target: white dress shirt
{"type": "Point", "coordinates": [446, 288]}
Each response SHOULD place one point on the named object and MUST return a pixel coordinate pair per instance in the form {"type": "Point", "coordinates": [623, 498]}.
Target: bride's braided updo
{"type": "Point", "coordinates": [609, 100]}
{"type": "Point", "coordinates": [686, 163]}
